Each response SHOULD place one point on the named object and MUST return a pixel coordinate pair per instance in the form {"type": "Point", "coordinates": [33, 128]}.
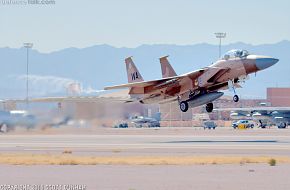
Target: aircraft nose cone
{"type": "Point", "coordinates": [263, 63]}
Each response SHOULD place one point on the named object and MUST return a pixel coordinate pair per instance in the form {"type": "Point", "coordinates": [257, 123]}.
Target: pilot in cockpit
{"type": "Point", "coordinates": [235, 54]}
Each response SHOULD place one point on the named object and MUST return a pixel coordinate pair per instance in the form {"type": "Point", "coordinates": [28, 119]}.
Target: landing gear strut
{"type": "Point", "coordinates": [209, 107]}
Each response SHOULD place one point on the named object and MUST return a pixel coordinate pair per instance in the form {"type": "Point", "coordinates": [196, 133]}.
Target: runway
{"type": "Point", "coordinates": [106, 142]}
{"type": "Point", "coordinates": [165, 142]}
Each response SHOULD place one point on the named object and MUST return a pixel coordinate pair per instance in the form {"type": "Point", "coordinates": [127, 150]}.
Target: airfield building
{"type": "Point", "coordinates": [278, 97]}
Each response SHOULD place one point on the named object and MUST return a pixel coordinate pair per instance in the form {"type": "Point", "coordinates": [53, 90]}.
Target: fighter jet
{"type": "Point", "coordinates": [141, 121]}
{"type": "Point", "coordinates": [198, 87]}
{"type": "Point", "coordinates": [9, 120]}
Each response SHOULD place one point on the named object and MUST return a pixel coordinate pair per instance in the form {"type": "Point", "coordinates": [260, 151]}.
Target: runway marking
{"type": "Point", "coordinates": [134, 148]}
{"type": "Point", "coordinates": [168, 146]}
{"type": "Point", "coordinates": [137, 135]}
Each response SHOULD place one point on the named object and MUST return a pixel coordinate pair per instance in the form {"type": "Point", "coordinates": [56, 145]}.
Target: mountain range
{"type": "Point", "coordinates": [103, 65]}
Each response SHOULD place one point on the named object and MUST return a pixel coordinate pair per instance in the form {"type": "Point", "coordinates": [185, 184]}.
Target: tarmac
{"type": "Point", "coordinates": [108, 177]}
{"type": "Point", "coordinates": [164, 141]}
{"type": "Point", "coordinates": [152, 142]}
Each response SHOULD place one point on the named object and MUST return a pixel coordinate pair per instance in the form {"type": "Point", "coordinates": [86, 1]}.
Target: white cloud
{"type": "Point", "coordinates": [41, 85]}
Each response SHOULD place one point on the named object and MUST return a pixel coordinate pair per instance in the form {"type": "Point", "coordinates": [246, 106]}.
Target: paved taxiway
{"type": "Point", "coordinates": [165, 141]}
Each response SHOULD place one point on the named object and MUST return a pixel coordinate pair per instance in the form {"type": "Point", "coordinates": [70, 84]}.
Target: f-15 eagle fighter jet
{"type": "Point", "coordinates": [196, 88]}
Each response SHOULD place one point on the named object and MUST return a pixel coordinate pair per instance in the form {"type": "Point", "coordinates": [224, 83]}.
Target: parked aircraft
{"type": "Point", "coordinates": [195, 88]}
{"type": "Point", "coordinates": [280, 116]}
{"type": "Point", "coordinates": [141, 121]}
{"type": "Point", "coordinates": [9, 120]}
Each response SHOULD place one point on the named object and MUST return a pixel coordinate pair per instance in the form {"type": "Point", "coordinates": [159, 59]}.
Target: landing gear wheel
{"type": "Point", "coordinates": [209, 107]}
{"type": "Point", "coordinates": [236, 98]}
{"type": "Point", "coordinates": [183, 106]}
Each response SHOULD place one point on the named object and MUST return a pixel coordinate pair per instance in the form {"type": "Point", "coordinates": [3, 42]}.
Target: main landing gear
{"type": "Point", "coordinates": [183, 106]}
{"type": "Point", "coordinates": [198, 99]}
{"type": "Point", "coordinates": [209, 107]}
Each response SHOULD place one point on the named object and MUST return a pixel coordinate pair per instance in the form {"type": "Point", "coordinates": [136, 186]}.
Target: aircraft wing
{"type": "Point", "coordinates": [143, 84]}
{"type": "Point", "coordinates": [73, 99]}
{"type": "Point", "coordinates": [120, 96]}
{"type": "Point", "coordinates": [135, 84]}
{"type": "Point", "coordinates": [67, 99]}
{"type": "Point", "coordinates": [211, 74]}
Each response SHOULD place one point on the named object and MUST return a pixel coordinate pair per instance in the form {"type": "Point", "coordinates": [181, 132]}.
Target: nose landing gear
{"type": "Point", "coordinates": [236, 98]}
{"type": "Point", "coordinates": [232, 88]}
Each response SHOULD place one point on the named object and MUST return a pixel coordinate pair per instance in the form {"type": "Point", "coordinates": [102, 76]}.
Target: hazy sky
{"type": "Point", "coordinates": [129, 23]}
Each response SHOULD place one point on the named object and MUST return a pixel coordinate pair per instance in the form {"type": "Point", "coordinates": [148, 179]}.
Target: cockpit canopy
{"type": "Point", "coordinates": [235, 53]}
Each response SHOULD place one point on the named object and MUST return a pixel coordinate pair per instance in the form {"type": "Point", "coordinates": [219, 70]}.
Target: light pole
{"type": "Point", "coordinates": [220, 35]}
{"type": "Point", "coordinates": [27, 46]}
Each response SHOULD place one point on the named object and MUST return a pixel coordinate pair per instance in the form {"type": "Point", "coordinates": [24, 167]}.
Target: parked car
{"type": "Point", "coordinates": [121, 125]}
{"type": "Point", "coordinates": [243, 124]}
{"type": "Point", "coordinates": [209, 125]}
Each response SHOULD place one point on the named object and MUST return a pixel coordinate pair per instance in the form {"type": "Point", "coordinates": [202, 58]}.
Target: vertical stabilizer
{"type": "Point", "coordinates": [132, 71]}
{"type": "Point", "coordinates": [166, 68]}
